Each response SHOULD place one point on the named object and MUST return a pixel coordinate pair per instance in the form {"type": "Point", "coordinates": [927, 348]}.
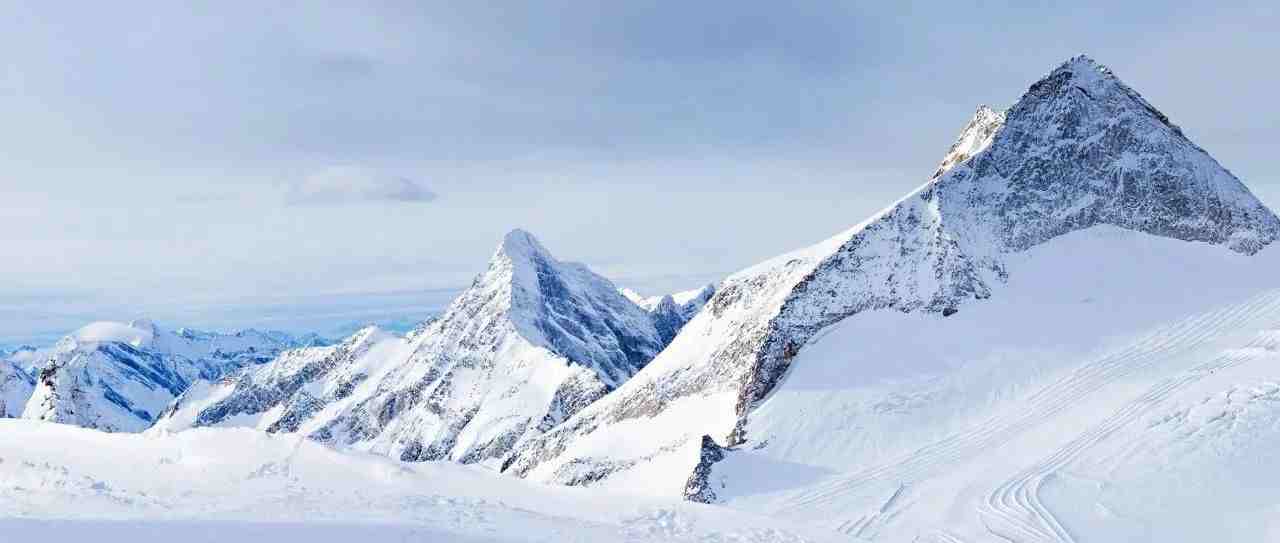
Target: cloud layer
{"type": "Point", "coordinates": [352, 184]}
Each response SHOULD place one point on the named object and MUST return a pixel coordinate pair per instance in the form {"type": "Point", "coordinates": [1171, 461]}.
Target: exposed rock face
{"type": "Point", "coordinates": [118, 377]}
{"type": "Point", "coordinates": [531, 342]}
{"type": "Point", "coordinates": [1079, 149]}
{"type": "Point", "coordinates": [698, 489]}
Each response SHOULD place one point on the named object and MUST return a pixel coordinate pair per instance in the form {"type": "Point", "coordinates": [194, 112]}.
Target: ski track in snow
{"type": "Point", "coordinates": [1013, 511]}
{"type": "Point", "coordinates": [1015, 505]}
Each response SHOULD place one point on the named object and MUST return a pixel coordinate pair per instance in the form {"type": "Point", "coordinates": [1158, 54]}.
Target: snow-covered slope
{"type": "Point", "coordinates": [60, 483]}
{"type": "Point", "coordinates": [1079, 153]}
{"type": "Point", "coordinates": [118, 377]}
{"type": "Point", "coordinates": [893, 426]}
{"type": "Point", "coordinates": [281, 395]}
{"type": "Point", "coordinates": [531, 342]}
{"type": "Point", "coordinates": [671, 312]}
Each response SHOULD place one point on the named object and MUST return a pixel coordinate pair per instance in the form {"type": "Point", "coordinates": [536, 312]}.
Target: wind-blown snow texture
{"type": "Point", "coordinates": [1078, 150]}
{"type": "Point", "coordinates": [531, 342]}
{"type": "Point", "coordinates": [118, 377]}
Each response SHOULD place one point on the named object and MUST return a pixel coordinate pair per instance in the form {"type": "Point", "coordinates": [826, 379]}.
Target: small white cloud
{"type": "Point", "coordinates": [351, 184]}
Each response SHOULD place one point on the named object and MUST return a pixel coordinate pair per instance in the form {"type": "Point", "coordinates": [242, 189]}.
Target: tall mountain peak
{"type": "Point", "coordinates": [1079, 149]}
{"type": "Point", "coordinates": [532, 341]}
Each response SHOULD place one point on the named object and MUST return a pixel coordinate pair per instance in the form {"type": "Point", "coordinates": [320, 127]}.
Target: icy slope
{"type": "Point", "coordinates": [118, 377]}
{"type": "Point", "coordinates": [219, 484]}
{"type": "Point", "coordinates": [1078, 150]}
{"type": "Point", "coordinates": [531, 342]}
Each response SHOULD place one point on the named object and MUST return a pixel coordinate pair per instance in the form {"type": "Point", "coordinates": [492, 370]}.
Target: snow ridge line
{"type": "Point", "coordinates": [1016, 502]}
{"type": "Point", "coordinates": [1189, 333]}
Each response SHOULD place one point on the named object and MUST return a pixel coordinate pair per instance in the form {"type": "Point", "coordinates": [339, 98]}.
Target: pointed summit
{"type": "Point", "coordinates": [520, 243]}
{"type": "Point", "coordinates": [1082, 62]}
{"type": "Point", "coordinates": [532, 341]}
{"type": "Point", "coordinates": [563, 307]}
{"type": "Point", "coordinates": [1081, 148]}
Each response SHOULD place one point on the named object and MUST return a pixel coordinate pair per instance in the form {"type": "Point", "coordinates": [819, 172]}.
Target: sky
{"type": "Point", "coordinates": [303, 166]}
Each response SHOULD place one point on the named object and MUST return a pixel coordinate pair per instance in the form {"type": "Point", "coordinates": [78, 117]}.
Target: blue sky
{"type": "Point", "coordinates": [300, 165]}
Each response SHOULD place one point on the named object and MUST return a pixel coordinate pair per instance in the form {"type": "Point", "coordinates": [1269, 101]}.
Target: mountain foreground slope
{"type": "Point", "coordinates": [222, 484]}
{"type": "Point", "coordinates": [1052, 231]}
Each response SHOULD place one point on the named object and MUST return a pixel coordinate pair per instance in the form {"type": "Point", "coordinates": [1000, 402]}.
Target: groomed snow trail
{"type": "Point", "coordinates": [1164, 350]}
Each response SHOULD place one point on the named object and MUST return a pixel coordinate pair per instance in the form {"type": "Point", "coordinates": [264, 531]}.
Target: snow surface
{"type": "Point", "coordinates": [61, 483]}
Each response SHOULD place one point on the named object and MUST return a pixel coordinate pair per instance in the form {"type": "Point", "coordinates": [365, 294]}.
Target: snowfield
{"type": "Point", "coordinates": [61, 483]}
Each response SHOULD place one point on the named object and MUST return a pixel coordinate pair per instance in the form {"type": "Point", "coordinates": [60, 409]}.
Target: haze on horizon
{"type": "Point", "coordinates": [306, 167]}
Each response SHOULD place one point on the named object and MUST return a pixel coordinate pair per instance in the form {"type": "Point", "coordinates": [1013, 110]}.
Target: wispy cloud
{"type": "Point", "coordinates": [354, 184]}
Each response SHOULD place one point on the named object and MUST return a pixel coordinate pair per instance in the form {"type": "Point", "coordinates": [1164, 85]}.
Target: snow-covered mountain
{"type": "Point", "coordinates": [531, 342]}
{"type": "Point", "coordinates": [672, 311]}
{"type": "Point", "coordinates": [15, 388]}
{"type": "Point", "coordinates": [118, 377]}
{"type": "Point", "coordinates": [281, 395]}
{"type": "Point", "coordinates": [1080, 189]}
